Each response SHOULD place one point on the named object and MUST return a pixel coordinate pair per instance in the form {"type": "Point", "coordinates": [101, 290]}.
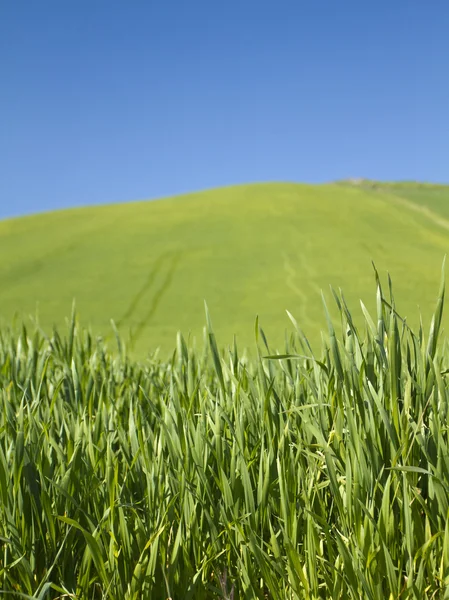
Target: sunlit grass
{"type": "Point", "coordinates": [247, 250]}
{"type": "Point", "coordinates": [287, 477]}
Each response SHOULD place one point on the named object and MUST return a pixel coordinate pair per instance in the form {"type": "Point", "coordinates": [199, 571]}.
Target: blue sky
{"type": "Point", "coordinates": [105, 101]}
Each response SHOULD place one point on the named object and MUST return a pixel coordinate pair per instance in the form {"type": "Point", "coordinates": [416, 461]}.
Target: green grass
{"type": "Point", "coordinates": [433, 197]}
{"type": "Point", "coordinates": [290, 477]}
{"type": "Point", "coordinates": [435, 202]}
{"type": "Point", "coordinates": [246, 250]}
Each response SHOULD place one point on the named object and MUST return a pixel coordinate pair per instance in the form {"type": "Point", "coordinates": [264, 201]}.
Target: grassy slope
{"type": "Point", "coordinates": [247, 250]}
{"type": "Point", "coordinates": [300, 480]}
{"type": "Point", "coordinates": [434, 198]}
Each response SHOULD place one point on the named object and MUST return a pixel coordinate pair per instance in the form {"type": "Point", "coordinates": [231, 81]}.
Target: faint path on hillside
{"type": "Point", "coordinates": [291, 275]}
{"type": "Point", "coordinates": [145, 287]}
{"type": "Point", "coordinates": [15, 272]}
{"type": "Point", "coordinates": [157, 297]}
{"type": "Point", "coordinates": [393, 195]}
{"type": "Point", "coordinates": [311, 273]}
{"type": "Point", "coordinates": [423, 210]}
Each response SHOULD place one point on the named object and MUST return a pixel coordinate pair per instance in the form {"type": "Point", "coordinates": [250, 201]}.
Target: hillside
{"type": "Point", "coordinates": [247, 250]}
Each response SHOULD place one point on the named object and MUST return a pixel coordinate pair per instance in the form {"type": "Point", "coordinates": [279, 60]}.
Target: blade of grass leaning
{"type": "Point", "coordinates": [298, 475]}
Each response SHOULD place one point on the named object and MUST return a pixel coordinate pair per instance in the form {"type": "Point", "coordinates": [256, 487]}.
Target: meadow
{"type": "Point", "coordinates": [298, 449]}
{"type": "Point", "coordinates": [246, 250]}
{"type": "Point", "coordinates": [287, 476]}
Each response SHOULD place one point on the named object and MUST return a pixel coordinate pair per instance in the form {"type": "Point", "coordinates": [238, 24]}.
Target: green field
{"type": "Point", "coordinates": [289, 477]}
{"type": "Point", "coordinates": [207, 471]}
{"type": "Point", "coordinates": [247, 250]}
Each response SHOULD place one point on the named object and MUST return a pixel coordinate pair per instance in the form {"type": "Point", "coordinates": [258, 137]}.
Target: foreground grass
{"type": "Point", "coordinates": [256, 249]}
{"type": "Point", "coordinates": [207, 477]}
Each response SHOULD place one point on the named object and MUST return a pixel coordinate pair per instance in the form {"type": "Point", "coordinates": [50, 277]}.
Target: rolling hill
{"type": "Point", "coordinates": [247, 250]}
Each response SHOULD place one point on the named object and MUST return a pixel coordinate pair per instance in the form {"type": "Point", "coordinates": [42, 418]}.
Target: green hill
{"type": "Point", "coordinates": [246, 250]}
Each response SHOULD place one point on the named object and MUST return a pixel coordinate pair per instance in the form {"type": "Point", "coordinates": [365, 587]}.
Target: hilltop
{"type": "Point", "coordinates": [246, 250]}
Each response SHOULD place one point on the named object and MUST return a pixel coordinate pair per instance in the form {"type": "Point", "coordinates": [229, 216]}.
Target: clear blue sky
{"type": "Point", "coordinates": [106, 101]}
